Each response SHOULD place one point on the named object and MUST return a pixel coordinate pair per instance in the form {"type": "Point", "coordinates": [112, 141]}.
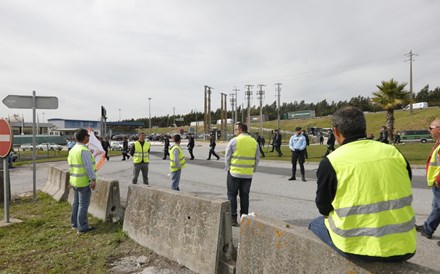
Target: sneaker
{"type": "Point", "coordinates": [421, 229]}
{"type": "Point", "coordinates": [87, 230]}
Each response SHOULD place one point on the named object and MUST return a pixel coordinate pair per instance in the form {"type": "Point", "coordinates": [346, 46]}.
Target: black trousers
{"type": "Point", "coordinates": [212, 152]}
{"type": "Point", "coordinates": [190, 149]}
{"type": "Point", "coordinates": [278, 149]}
{"type": "Point", "coordinates": [298, 156]}
{"type": "Point", "coordinates": [241, 187]}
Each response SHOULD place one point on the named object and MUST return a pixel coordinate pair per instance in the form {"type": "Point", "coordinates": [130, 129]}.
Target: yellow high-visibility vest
{"type": "Point", "coordinates": [244, 157]}
{"type": "Point", "coordinates": [434, 167]}
{"type": "Point", "coordinates": [78, 176]}
{"type": "Point", "coordinates": [141, 152]}
{"type": "Point", "coordinates": [372, 213]}
{"type": "Point", "coordinates": [182, 162]}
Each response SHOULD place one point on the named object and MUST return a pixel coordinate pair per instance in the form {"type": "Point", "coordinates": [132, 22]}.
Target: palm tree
{"type": "Point", "coordinates": [389, 96]}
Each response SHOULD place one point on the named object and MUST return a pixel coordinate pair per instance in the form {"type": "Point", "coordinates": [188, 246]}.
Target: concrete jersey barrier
{"type": "Point", "coordinates": [57, 184]}
{"type": "Point", "coordinates": [272, 246]}
{"type": "Point", "coordinates": [194, 231]}
{"type": "Point", "coordinates": [105, 201]}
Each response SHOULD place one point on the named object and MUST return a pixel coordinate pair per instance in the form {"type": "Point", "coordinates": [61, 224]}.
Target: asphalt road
{"type": "Point", "coordinates": [271, 193]}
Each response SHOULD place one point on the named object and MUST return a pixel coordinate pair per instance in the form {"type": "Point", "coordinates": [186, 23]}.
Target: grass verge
{"type": "Point", "coordinates": [45, 243]}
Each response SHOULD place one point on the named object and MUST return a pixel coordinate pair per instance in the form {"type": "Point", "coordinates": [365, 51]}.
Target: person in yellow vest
{"type": "Point", "coordinates": [433, 179]}
{"type": "Point", "coordinates": [241, 160]}
{"type": "Point", "coordinates": [364, 194]}
{"type": "Point", "coordinates": [177, 162]}
{"type": "Point", "coordinates": [140, 152]}
{"type": "Point", "coordinates": [82, 179]}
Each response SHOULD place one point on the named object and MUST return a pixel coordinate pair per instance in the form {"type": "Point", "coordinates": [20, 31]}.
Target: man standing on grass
{"type": "Point", "coordinates": [83, 180]}
{"type": "Point", "coordinates": [433, 179]}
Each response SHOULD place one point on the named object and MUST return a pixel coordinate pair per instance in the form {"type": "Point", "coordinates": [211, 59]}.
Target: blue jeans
{"type": "Point", "coordinates": [175, 179]}
{"type": "Point", "coordinates": [318, 227]}
{"type": "Point", "coordinates": [235, 186]}
{"type": "Point", "coordinates": [433, 220]}
{"type": "Point", "coordinates": [80, 206]}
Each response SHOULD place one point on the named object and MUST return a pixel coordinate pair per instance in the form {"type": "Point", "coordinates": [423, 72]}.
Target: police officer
{"type": "Point", "coordinates": [297, 145]}
{"type": "Point", "coordinates": [140, 151]}
{"type": "Point", "coordinates": [241, 160]}
{"type": "Point", "coordinates": [83, 179]}
{"type": "Point", "coordinates": [364, 194]}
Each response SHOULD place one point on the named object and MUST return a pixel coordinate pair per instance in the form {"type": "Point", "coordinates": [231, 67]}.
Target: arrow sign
{"type": "Point", "coordinates": [5, 138]}
{"type": "Point", "coordinates": [41, 102]}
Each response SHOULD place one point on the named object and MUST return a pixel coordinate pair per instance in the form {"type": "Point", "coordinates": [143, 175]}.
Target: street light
{"type": "Point", "coordinates": [149, 113]}
{"type": "Point", "coordinates": [197, 123]}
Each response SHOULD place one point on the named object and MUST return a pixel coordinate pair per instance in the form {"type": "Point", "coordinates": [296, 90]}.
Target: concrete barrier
{"type": "Point", "coordinates": [57, 184]}
{"type": "Point", "coordinates": [271, 246]}
{"type": "Point", "coordinates": [194, 231]}
{"type": "Point", "coordinates": [105, 201]}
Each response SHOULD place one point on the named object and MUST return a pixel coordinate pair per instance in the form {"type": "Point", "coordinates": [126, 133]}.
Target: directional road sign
{"type": "Point", "coordinates": [21, 101]}
{"type": "Point", "coordinates": [5, 138]}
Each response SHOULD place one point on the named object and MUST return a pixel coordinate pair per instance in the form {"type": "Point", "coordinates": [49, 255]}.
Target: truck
{"type": "Point", "coordinates": [420, 105]}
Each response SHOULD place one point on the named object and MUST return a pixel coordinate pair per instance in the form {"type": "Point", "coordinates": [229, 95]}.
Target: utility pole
{"type": "Point", "coordinates": [233, 100]}
{"type": "Point", "coordinates": [207, 112]}
{"type": "Point", "coordinates": [174, 116]}
{"type": "Point", "coordinates": [277, 94]}
{"type": "Point", "coordinates": [260, 94]}
{"type": "Point", "coordinates": [248, 97]}
{"type": "Point", "coordinates": [149, 114]}
{"type": "Point", "coordinates": [223, 115]}
{"type": "Point", "coordinates": [410, 55]}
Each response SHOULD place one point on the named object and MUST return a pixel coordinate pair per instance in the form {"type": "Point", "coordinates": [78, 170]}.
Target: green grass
{"type": "Point", "coordinates": [45, 243]}
{"type": "Point", "coordinates": [415, 153]}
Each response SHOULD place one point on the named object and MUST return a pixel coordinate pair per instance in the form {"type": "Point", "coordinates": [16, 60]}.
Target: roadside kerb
{"type": "Point", "coordinates": [194, 231]}
{"type": "Point", "coordinates": [105, 201]}
{"type": "Point", "coordinates": [271, 246]}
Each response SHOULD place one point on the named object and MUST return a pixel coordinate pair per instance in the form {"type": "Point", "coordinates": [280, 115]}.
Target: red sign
{"type": "Point", "coordinates": [5, 138]}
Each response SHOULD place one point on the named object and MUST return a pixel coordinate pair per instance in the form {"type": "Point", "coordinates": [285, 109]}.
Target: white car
{"type": "Point", "coordinates": [116, 145]}
{"type": "Point", "coordinates": [48, 146]}
{"type": "Point", "coordinates": [24, 147]}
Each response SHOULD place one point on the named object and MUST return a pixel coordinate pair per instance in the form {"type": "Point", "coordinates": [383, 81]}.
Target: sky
{"type": "Point", "coordinates": [117, 54]}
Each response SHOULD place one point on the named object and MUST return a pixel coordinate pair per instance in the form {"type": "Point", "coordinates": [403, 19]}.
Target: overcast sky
{"type": "Point", "coordinates": [119, 53]}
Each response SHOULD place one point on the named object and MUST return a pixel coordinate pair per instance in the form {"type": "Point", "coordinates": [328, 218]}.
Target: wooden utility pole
{"type": "Point", "coordinates": [260, 94]}
{"type": "Point", "coordinates": [248, 97]}
{"type": "Point", "coordinates": [278, 90]}
{"type": "Point", "coordinates": [410, 55]}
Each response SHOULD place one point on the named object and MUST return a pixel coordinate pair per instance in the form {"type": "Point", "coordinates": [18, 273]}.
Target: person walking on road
{"type": "Point", "coordinates": [166, 147]}
{"type": "Point", "coordinates": [125, 149]}
{"type": "Point", "coordinates": [241, 160]}
{"type": "Point", "coordinates": [433, 178]}
{"type": "Point", "coordinates": [277, 142]}
{"type": "Point", "coordinates": [212, 145]}
{"type": "Point", "coordinates": [306, 136]}
{"type": "Point", "coordinates": [82, 179]}
{"type": "Point", "coordinates": [297, 145]}
{"type": "Point", "coordinates": [140, 151]}
{"type": "Point", "coordinates": [177, 162]}
{"type": "Point", "coordinates": [191, 145]}
{"type": "Point", "coordinates": [330, 143]}
{"type": "Point", "coordinates": [364, 194]}
{"type": "Point", "coordinates": [260, 145]}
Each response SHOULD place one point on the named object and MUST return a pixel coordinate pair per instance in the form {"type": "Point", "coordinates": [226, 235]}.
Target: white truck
{"type": "Point", "coordinates": [420, 105]}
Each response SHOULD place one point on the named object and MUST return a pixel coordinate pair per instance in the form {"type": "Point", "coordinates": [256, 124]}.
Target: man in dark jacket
{"type": "Point", "coordinates": [166, 147]}
{"type": "Point", "coordinates": [330, 143]}
{"type": "Point", "coordinates": [277, 142]}
{"type": "Point", "coordinates": [191, 145]}
{"type": "Point", "coordinates": [212, 145]}
{"type": "Point", "coordinates": [259, 141]}
{"type": "Point", "coordinates": [125, 149]}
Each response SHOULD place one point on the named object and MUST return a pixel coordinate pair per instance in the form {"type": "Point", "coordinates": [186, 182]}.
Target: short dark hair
{"type": "Point", "coordinates": [177, 138]}
{"type": "Point", "coordinates": [242, 126]}
{"type": "Point", "coordinates": [350, 121]}
{"type": "Point", "coordinates": [81, 134]}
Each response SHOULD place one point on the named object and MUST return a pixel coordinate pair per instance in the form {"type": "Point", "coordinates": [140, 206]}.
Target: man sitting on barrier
{"type": "Point", "coordinates": [83, 180]}
{"type": "Point", "coordinates": [364, 192]}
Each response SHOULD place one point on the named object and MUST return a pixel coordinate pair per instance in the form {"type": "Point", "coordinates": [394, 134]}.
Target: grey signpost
{"type": "Point", "coordinates": [32, 102]}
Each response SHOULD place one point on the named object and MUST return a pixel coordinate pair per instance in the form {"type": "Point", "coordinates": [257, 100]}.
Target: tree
{"type": "Point", "coordinates": [390, 96]}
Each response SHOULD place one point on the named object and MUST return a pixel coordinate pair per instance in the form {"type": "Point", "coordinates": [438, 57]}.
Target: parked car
{"type": "Point", "coordinates": [116, 145]}
{"type": "Point", "coordinates": [49, 146]}
{"type": "Point", "coordinates": [26, 147]}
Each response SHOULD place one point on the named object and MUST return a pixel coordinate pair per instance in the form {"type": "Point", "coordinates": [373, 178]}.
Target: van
{"type": "Point", "coordinates": [420, 105]}
{"type": "Point", "coordinates": [422, 136]}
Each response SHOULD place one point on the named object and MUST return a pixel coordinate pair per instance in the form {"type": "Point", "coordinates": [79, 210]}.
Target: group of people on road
{"type": "Point", "coordinates": [364, 191]}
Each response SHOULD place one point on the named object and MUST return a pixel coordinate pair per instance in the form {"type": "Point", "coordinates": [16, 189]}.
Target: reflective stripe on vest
{"type": "Point", "coordinates": [372, 213]}
{"type": "Point", "coordinates": [244, 157]}
{"type": "Point", "coordinates": [78, 175]}
{"type": "Point", "coordinates": [434, 167]}
{"type": "Point", "coordinates": [182, 162]}
{"type": "Point", "coordinates": [141, 152]}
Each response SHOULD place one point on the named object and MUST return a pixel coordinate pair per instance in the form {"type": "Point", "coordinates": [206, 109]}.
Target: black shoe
{"type": "Point", "coordinates": [123, 160]}
{"type": "Point", "coordinates": [164, 158]}
{"type": "Point", "coordinates": [234, 221]}
{"type": "Point", "coordinates": [90, 228]}
{"type": "Point", "coordinates": [218, 158]}
{"type": "Point", "coordinates": [303, 179]}
{"type": "Point", "coordinates": [438, 243]}
{"type": "Point", "coordinates": [292, 179]}
{"type": "Point", "coordinates": [421, 229]}
{"type": "Point", "coordinates": [208, 159]}
{"type": "Point", "coordinates": [191, 158]}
